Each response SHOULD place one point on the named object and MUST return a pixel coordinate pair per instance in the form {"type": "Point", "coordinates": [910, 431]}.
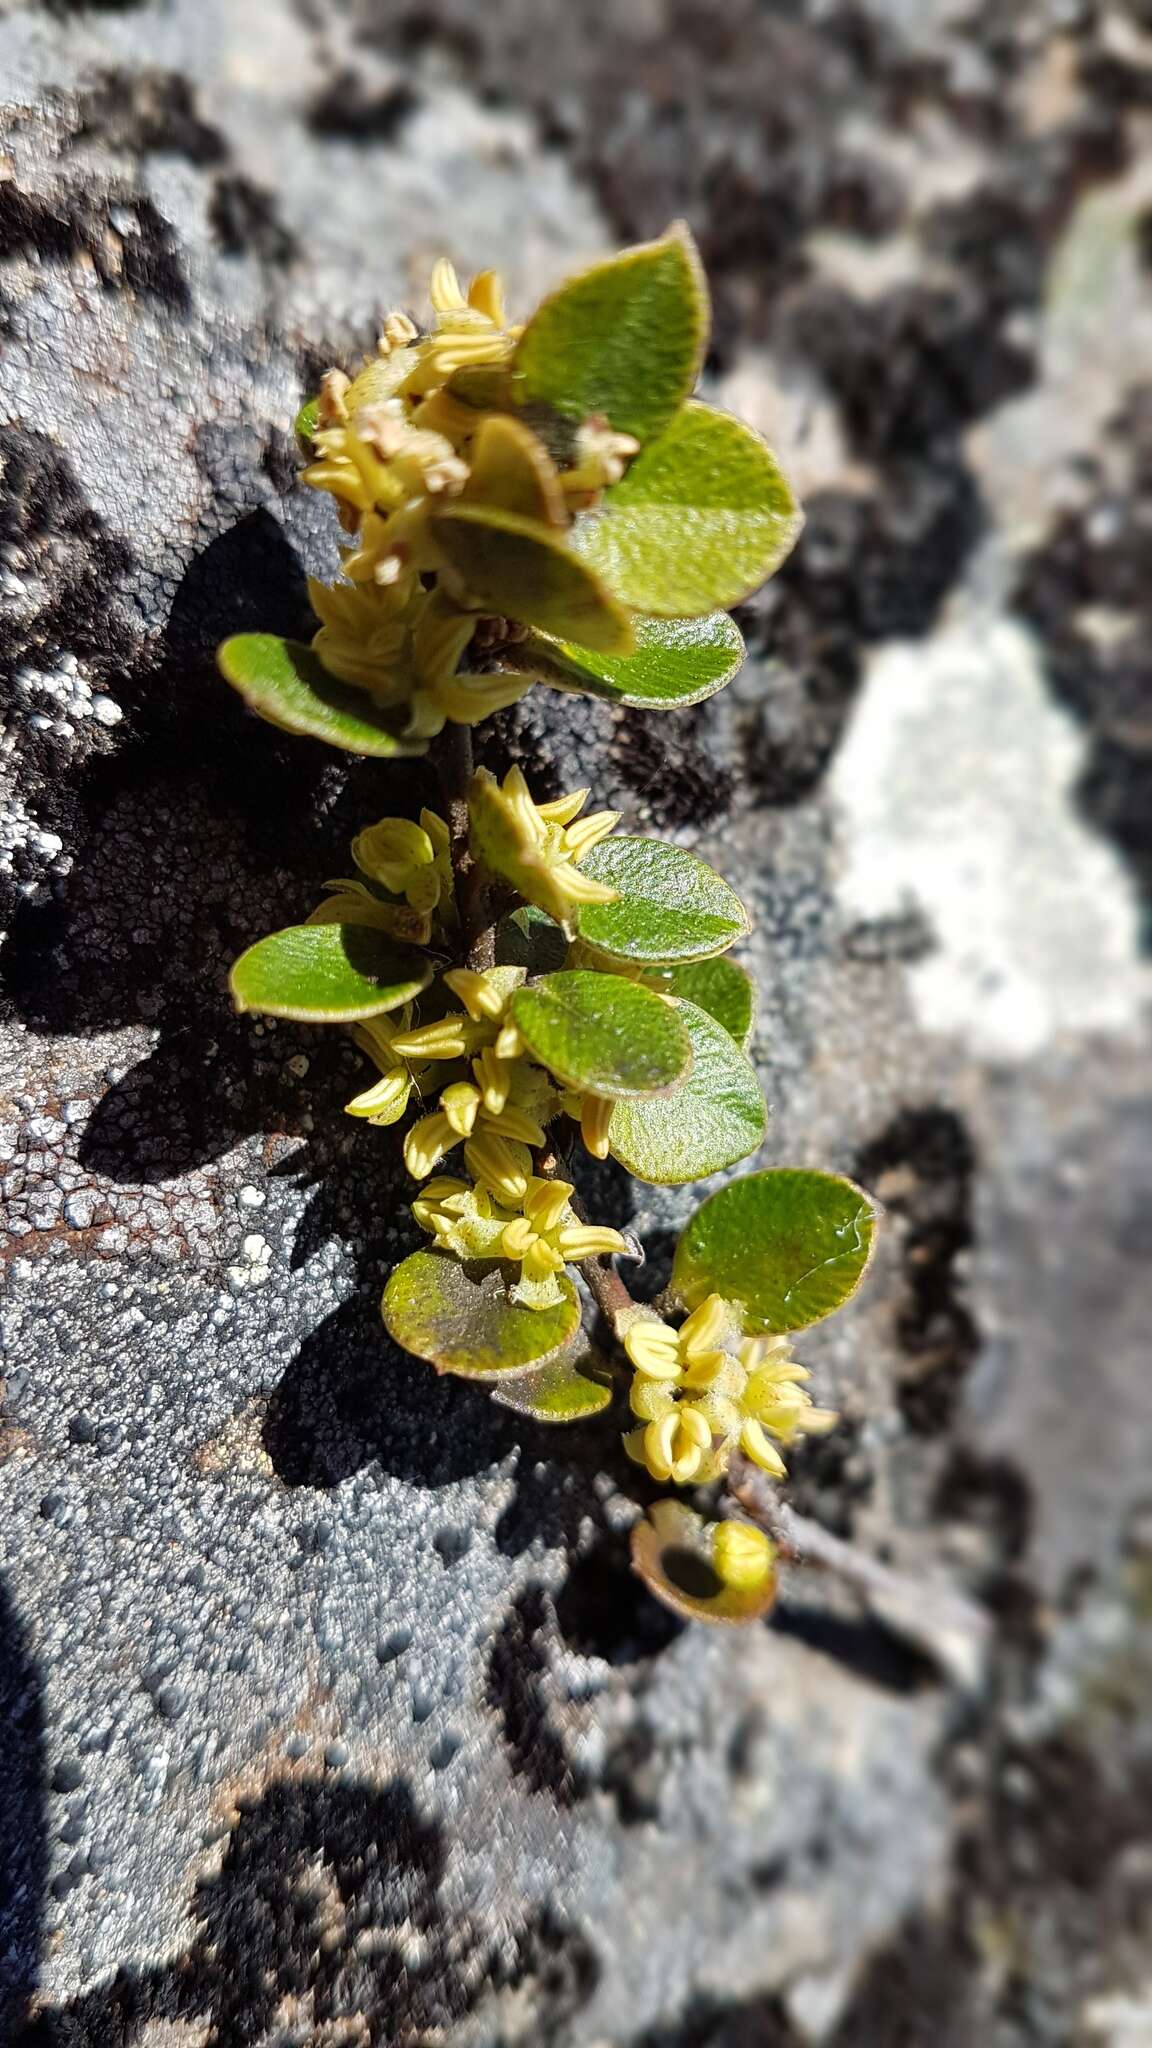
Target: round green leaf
{"type": "Point", "coordinates": [790, 1246]}
{"type": "Point", "coordinates": [669, 906]}
{"type": "Point", "coordinates": [572, 1387]}
{"type": "Point", "coordinates": [602, 1033]}
{"type": "Point", "coordinates": [518, 569]}
{"type": "Point", "coordinates": [721, 988]}
{"type": "Point", "coordinates": [677, 662]}
{"type": "Point", "coordinates": [284, 682]}
{"type": "Point", "coordinates": [623, 340]}
{"type": "Point", "coordinates": [460, 1319]}
{"type": "Point", "coordinates": [714, 1118]}
{"type": "Point", "coordinates": [701, 518]}
{"type": "Point", "coordinates": [327, 974]}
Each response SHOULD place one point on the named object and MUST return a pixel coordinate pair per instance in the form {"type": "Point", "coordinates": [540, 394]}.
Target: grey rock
{"type": "Point", "coordinates": [328, 1694]}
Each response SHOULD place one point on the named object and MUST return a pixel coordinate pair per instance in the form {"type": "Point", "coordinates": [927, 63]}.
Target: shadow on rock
{"type": "Point", "coordinates": [328, 1912]}
{"type": "Point", "coordinates": [204, 830]}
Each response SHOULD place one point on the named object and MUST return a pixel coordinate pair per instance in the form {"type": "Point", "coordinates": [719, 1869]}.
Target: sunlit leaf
{"type": "Point", "coordinates": [602, 1033]}
{"type": "Point", "coordinates": [623, 341]}
{"type": "Point", "coordinates": [669, 905]}
{"type": "Point", "coordinates": [459, 1317]}
{"type": "Point", "coordinates": [574, 1386]}
{"type": "Point", "coordinates": [677, 662]}
{"type": "Point", "coordinates": [721, 988]}
{"type": "Point", "coordinates": [790, 1246]}
{"type": "Point", "coordinates": [512, 472]}
{"type": "Point", "coordinates": [702, 517]}
{"type": "Point", "coordinates": [714, 1118]}
{"type": "Point", "coordinates": [327, 974]}
{"type": "Point", "coordinates": [521, 570]}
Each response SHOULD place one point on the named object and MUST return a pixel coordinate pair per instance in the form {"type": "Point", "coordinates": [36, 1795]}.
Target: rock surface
{"type": "Point", "coordinates": [331, 1712]}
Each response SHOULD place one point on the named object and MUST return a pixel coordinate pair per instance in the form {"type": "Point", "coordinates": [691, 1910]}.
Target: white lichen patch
{"type": "Point", "coordinates": [956, 786]}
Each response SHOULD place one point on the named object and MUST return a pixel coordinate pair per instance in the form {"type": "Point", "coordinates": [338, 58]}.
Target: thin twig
{"type": "Point", "coordinates": [452, 754]}
{"type": "Point", "coordinates": [600, 1277]}
{"type": "Point", "coordinates": [942, 1624]}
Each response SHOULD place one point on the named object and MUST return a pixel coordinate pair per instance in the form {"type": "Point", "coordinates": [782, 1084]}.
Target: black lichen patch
{"type": "Point", "coordinates": [1087, 592]}
{"type": "Point", "coordinates": [142, 112]}
{"type": "Point", "coordinates": [350, 109]}
{"type": "Point", "coordinates": [245, 221]}
{"type": "Point", "coordinates": [122, 234]}
{"type": "Point", "coordinates": [921, 1168]}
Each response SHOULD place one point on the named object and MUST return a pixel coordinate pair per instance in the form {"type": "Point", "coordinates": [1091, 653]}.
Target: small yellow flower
{"type": "Point", "coordinates": [386, 1101]}
{"type": "Point", "coordinates": [427, 1142]}
{"type": "Point", "coordinates": [462, 1219]}
{"type": "Point", "coordinates": [501, 1164]}
{"type": "Point", "coordinates": [675, 1444]}
{"type": "Point", "coordinates": [693, 1355]}
{"type": "Point", "coordinates": [537, 847]}
{"type": "Point", "coordinates": [471, 329]}
{"type": "Point", "coordinates": [365, 638]}
{"type": "Point", "coordinates": [410, 860]}
{"type": "Point", "coordinates": [742, 1555]}
{"type": "Point", "coordinates": [593, 1113]}
{"type": "Point", "coordinates": [546, 1237]}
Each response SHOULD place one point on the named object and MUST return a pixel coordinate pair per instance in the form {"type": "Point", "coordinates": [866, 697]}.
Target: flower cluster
{"type": "Point", "coordinates": [393, 446]}
{"type": "Point", "coordinates": [537, 848]}
{"type": "Point", "coordinates": [703, 1390]}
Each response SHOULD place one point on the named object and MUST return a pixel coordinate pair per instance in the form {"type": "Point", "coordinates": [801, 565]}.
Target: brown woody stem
{"type": "Point", "coordinates": [452, 755]}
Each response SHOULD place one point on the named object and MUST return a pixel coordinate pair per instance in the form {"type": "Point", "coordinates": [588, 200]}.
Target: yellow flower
{"type": "Point", "coordinates": [471, 329]}
{"type": "Point", "coordinates": [745, 1397]}
{"type": "Point", "coordinates": [462, 1219]}
{"type": "Point", "coordinates": [537, 847]}
{"type": "Point", "coordinates": [775, 1403]}
{"type": "Point", "coordinates": [546, 1237]}
{"type": "Point", "coordinates": [387, 1099]}
{"type": "Point", "coordinates": [693, 1355]}
{"type": "Point", "coordinates": [742, 1555]}
{"type": "Point", "coordinates": [365, 638]}
{"type": "Point", "coordinates": [409, 860]}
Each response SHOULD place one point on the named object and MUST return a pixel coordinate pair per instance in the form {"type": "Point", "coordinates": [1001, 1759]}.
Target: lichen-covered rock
{"type": "Point", "coordinates": [330, 1709]}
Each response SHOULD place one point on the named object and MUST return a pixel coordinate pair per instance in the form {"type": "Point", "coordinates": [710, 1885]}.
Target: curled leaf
{"type": "Point", "coordinates": [679, 1558]}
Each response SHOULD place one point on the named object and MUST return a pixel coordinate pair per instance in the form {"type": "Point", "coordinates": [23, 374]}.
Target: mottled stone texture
{"type": "Point", "coordinates": [331, 1712]}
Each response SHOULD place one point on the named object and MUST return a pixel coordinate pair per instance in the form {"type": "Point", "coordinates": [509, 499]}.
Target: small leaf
{"type": "Point", "coordinates": [572, 1387]}
{"type": "Point", "coordinates": [789, 1246]}
{"type": "Point", "coordinates": [284, 682]}
{"type": "Point", "coordinates": [623, 341]}
{"type": "Point", "coordinates": [520, 570]}
{"type": "Point", "coordinates": [306, 424]}
{"type": "Point", "coordinates": [512, 472]}
{"type": "Point", "coordinates": [669, 906]}
{"type": "Point", "coordinates": [673, 1552]}
{"type": "Point", "coordinates": [327, 974]}
{"type": "Point", "coordinates": [716, 1117]}
{"type": "Point", "coordinates": [602, 1033]}
{"type": "Point", "coordinates": [677, 662]}
{"type": "Point", "coordinates": [721, 988]}
{"type": "Point", "coordinates": [702, 517]}
{"type": "Point", "coordinates": [460, 1319]}
{"type": "Point", "coordinates": [529, 938]}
